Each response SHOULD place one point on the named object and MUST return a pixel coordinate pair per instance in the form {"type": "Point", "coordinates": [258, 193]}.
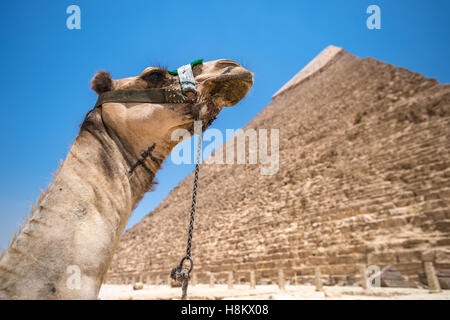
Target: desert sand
{"type": "Point", "coordinates": [267, 292]}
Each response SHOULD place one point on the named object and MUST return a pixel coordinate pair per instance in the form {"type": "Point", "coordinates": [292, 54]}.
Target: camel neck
{"type": "Point", "coordinates": [65, 248]}
{"type": "Point", "coordinates": [124, 164]}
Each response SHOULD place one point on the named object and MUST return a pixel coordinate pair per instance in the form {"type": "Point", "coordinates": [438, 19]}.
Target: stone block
{"type": "Point", "coordinates": [443, 226]}
{"type": "Point", "coordinates": [442, 256]}
{"type": "Point", "coordinates": [382, 258]}
{"type": "Point", "coordinates": [428, 255]}
{"type": "Point", "coordinates": [409, 256]}
{"type": "Point", "coordinates": [443, 277]}
{"type": "Point", "coordinates": [392, 278]}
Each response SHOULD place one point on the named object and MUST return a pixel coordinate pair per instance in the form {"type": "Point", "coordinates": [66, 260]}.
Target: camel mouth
{"type": "Point", "coordinates": [216, 92]}
{"type": "Point", "coordinates": [228, 90]}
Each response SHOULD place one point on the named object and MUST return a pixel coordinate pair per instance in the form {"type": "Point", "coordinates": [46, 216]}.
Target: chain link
{"type": "Point", "coordinates": [194, 195]}
{"type": "Point", "coordinates": [181, 273]}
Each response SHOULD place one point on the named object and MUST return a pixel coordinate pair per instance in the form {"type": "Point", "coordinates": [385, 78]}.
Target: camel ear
{"type": "Point", "coordinates": [101, 82]}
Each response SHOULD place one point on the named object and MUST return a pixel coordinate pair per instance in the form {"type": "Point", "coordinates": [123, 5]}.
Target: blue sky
{"type": "Point", "coordinates": [46, 68]}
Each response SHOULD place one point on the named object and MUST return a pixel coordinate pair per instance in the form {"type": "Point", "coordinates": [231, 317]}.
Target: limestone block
{"type": "Point", "coordinates": [428, 255]}
{"type": "Point", "coordinates": [392, 278]}
{"type": "Point", "coordinates": [442, 256]}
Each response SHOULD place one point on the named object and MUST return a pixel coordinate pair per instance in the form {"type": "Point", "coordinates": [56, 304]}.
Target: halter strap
{"type": "Point", "coordinates": [187, 79]}
{"type": "Point", "coordinates": [154, 95]}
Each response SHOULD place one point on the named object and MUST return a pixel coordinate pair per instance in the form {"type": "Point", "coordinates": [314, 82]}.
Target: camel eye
{"type": "Point", "coordinates": [154, 78]}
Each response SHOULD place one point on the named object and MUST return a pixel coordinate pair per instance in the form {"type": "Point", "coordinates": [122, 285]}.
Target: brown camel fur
{"type": "Point", "coordinates": [79, 219]}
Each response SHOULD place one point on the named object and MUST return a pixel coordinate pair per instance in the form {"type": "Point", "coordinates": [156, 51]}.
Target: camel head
{"type": "Point", "coordinates": [218, 84]}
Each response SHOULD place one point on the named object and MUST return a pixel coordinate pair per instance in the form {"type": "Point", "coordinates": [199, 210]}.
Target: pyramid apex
{"type": "Point", "coordinates": [312, 67]}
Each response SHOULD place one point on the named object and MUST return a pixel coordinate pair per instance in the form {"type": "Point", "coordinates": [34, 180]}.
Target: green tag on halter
{"type": "Point", "coordinates": [193, 63]}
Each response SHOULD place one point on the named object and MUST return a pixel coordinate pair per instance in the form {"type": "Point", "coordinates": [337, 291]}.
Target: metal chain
{"type": "Point", "coordinates": [181, 273]}
{"type": "Point", "coordinates": [194, 195]}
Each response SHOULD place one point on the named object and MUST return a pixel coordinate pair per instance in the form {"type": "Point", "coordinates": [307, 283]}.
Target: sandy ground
{"type": "Point", "coordinates": [267, 292]}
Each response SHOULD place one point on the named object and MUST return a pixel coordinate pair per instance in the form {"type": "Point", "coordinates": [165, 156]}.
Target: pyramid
{"type": "Point", "coordinates": [364, 178]}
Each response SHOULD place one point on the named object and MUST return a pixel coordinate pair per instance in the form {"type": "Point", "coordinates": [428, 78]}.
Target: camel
{"type": "Point", "coordinates": [112, 163]}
